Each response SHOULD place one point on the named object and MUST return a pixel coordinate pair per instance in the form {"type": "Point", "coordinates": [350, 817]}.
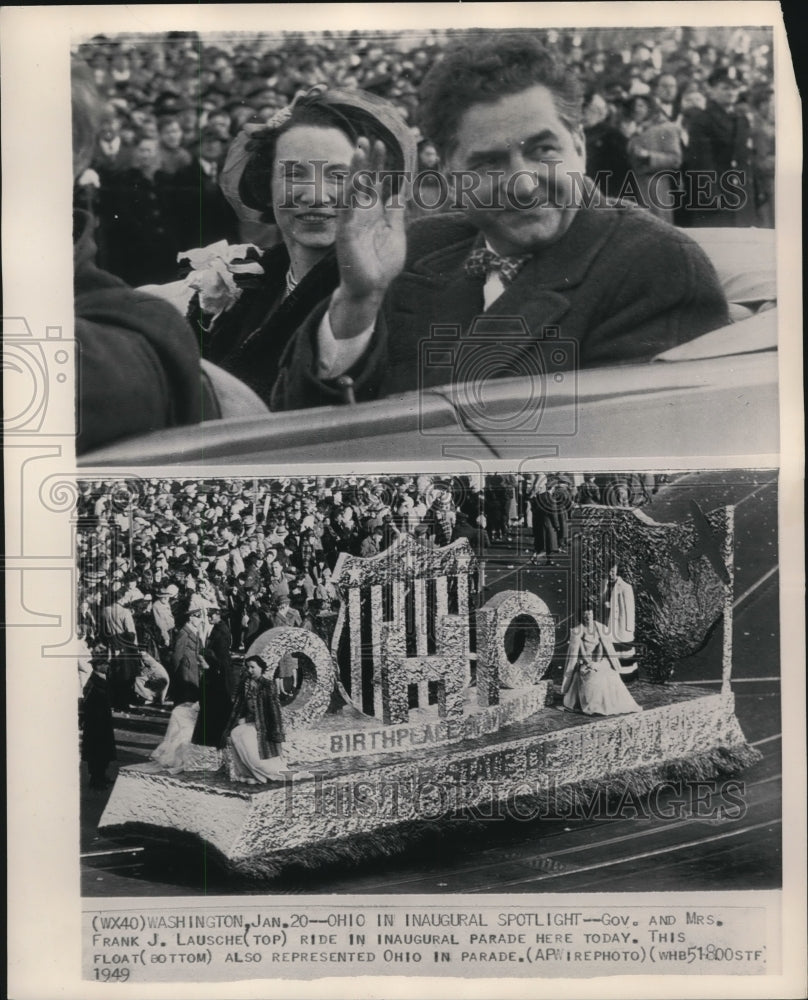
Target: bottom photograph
{"type": "Point", "coordinates": [424, 684]}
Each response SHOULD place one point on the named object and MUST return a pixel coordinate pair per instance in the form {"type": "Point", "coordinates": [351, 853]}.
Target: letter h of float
{"type": "Point", "coordinates": [447, 667]}
{"type": "Point", "coordinates": [412, 602]}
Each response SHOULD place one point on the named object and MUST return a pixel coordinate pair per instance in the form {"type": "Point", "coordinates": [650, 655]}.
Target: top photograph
{"type": "Point", "coordinates": [419, 245]}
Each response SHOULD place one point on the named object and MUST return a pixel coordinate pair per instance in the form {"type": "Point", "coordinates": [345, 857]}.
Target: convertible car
{"type": "Point", "coordinates": [714, 396]}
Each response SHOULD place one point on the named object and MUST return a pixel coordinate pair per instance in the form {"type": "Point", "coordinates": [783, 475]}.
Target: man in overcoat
{"type": "Point", "coordinates": [719, 152]}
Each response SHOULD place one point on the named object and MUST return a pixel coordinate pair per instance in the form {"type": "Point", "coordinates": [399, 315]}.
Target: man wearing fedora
{"type": "Point", "coordinates": [98, 732]}
{"type": "Point", "coordinates": [285, 615]}
{"type": "Point", "coordinates": [532, 242]}
{"type": "Point", "coordinates": [163, 616]}
{"type": "Point", "coordinates": [215, 683]}
{"type": "Point", "coordinates": [186, 657]}
{"type": "Point", "coordinates": [719, 149]}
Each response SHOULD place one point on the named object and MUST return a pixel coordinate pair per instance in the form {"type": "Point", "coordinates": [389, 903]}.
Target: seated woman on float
{"type": "Point", "coordinates": [592, 682]}
{"type": "Point", "coordinates": [256, 733]}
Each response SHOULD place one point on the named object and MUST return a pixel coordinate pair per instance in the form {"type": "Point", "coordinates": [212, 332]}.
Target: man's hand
{"type": "Point", "coordinates": [371, 243]}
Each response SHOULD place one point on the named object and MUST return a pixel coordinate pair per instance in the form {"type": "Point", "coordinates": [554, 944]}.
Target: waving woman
{"type": "Point", "coordinates": [291, 172]}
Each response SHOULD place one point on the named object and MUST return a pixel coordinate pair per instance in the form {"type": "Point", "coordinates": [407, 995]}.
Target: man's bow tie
{"type": "Point", "coordinates": [480, 263]}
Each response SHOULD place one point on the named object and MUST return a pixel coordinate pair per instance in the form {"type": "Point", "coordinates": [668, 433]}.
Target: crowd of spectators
{"type": "Point", "coordinates": [187, 572]}
{"type": "Point", "coordinates": [175, 101]}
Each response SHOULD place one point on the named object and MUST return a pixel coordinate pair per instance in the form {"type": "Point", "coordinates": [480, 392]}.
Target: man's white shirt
{"type": "Point", "coordinates": [337, 356]}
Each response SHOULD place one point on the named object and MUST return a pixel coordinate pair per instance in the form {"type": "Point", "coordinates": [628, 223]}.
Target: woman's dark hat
{"type": "Point", "coordinates": [356, 106]}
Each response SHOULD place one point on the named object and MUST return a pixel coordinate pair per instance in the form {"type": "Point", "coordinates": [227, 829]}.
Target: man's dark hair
{"type": "Point", "coordinates": [484, 68]}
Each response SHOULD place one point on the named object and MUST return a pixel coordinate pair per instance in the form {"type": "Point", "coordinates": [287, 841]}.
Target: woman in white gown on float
{"type": "Point", "coordinates": [592, 682]}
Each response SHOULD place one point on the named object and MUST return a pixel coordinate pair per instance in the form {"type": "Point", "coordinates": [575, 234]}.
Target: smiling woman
{"type": "Point", "coordinates": [290, 172]}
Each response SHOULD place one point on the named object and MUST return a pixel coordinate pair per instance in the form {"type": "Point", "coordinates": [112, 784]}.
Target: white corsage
{"type": "Point", "coordinates": [213, 274]}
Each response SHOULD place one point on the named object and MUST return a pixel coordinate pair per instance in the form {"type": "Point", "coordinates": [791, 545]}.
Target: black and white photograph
{"type": "Point", "coordinates": [310, 245]}
{"type": "Point", "coordinates": [404, 487]}
{"type": "Point", "coordinates": [428, 685]}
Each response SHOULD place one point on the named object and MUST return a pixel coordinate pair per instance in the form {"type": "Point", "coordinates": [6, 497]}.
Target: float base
{"type": "Point", "coordinates": [362, 805]}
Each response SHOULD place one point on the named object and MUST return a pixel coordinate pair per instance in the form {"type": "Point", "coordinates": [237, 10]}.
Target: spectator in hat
{"type": "Point", "coordinates": [665, 90]}
{"type": "Point", "coordinates": [301, 589]}
{"type": "Point", "coordinates": [220, 124]}
{"type": "Point", "coordinates": [140, 228]}
{"type": "Point", "coordinates": [720, 147]}
{"type": "Point", "coordinates": [98, 734]}
{"type": "Point", "coordinates": [588, 492]}
{"type": "Point", "coordinates": [655, 155]}
{"type": "Point", "coordinates": [234, 611]}
{"type": "Point", "coordinates": [545, 520]}
{"type": "Point", "coordinates": [389, 531]}
{"type": "Point", "coordinates": [203, 214]}
{"type": "Point", "coordinates": [285, 615]}
{"type": "Point", "coordinates": [371, 546]}
{"type": "Point", "coordinates": [120, 633]}
{"type": "Point", "coordinates": [146, 630]}
{"type": "Point", "coordinates": [172, 157]}
{"type": "Point", "coordinates": [278, 583]}
{"type": "Point", "coordinates": [309, 547]}
{"type": "Point", "coordinates": [215, 700]}
{"type": "Point", "coordinates": [496, 508]}
{"type": "Point", "coordinates": [187, 660]}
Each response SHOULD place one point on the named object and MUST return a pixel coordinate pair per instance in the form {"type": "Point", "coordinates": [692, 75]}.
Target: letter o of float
{"type": "Point", "coordinates": [316, 671]}
{"type": "Point", "coordinates": [531, 615]}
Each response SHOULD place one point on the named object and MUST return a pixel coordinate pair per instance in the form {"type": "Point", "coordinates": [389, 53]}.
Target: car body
{"type": "Point", "coordinates": [714, 396]}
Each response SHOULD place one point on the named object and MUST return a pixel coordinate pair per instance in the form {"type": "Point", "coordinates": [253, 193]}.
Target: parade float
{"type": "Point", "coordinates": [429, 707]}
